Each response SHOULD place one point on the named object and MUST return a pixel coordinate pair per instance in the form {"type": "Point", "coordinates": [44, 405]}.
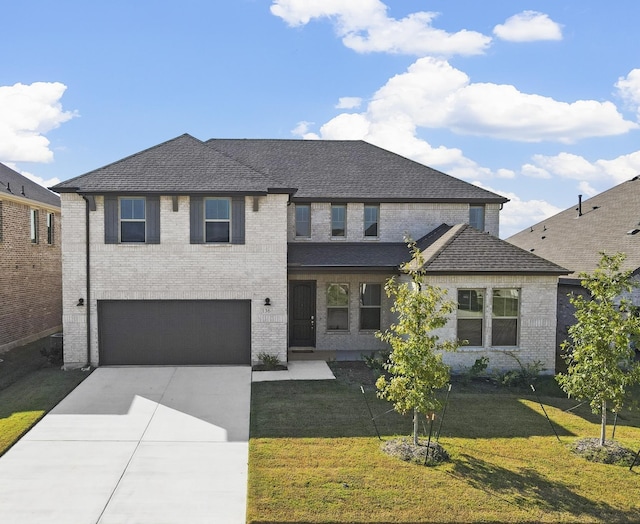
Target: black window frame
{"type": "Point", "coordinates": [132, 236]}
{"type": "Point", "coordinates": [34, 233]}
{"type": "Point", "coordinates": [367, 309]}
{"type": "Point", "coordinates": [302, 221]}
{"type": "Point", "coordinates": [369, 224]}
{"type": "Point", "coordinates": [50, 228]}
{"type": "Point", "coordinates": [338, 225]}
{"type": "Point", "coordinates": [217, 220]}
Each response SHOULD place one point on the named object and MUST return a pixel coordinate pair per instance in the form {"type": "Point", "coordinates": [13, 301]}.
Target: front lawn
{"type": "Point", "coordinates": [29, 388]}
{"type": "Point", "coordinates": [315, 457]}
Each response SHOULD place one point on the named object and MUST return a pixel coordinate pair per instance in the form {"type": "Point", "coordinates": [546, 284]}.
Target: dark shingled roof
{"type": "Point", "coordinates": [350, 170]}
{"type": "Point", "coordinates": [447, 249]}
{"type": "Point", "coordinates": [10, 179]}
{"type": "Point", "coordinates": [182, 165]}
{"type": "Point", "coordinates": [610, 222]}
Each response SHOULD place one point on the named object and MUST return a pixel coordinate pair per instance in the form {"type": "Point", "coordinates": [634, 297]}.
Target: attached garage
{"type": "Point", "coordinates": [174, 332]}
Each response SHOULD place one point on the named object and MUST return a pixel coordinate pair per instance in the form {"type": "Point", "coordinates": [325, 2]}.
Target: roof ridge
{"type": "Point", "coordinates": [434, 250]}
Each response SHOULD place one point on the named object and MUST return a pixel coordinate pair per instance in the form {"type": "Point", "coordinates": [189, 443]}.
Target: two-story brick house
{"type": "Point", "coordinates": [213, 252]}
{"type": "Point", "coordinates": [30, 261]}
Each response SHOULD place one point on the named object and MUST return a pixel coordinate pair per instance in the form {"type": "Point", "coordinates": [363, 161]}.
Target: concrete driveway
{"type": "Point", "coordinates": [136, 445]}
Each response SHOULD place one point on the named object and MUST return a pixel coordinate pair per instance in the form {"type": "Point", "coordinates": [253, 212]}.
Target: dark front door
{"type": "Point", "coordinates": [302, 313]}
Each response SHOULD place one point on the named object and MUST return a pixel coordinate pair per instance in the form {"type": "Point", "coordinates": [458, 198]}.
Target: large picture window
{"type": "Point", "coordinates": [338, 307]}
{"type": "Point", "coordinates": [506, 312]}
{"type": "Point", "coordinates": [370, 306]}
{"type": "Point", "coordinates": [132, 219]}
{"type": "Point", "coordinates": [470, 321]}
{"type": "Point", "coordinates": [217, 219]}
{"type": "Point", "coordinates": [303, 220]}
{"type": "Point", "coordinates": [338, 220]}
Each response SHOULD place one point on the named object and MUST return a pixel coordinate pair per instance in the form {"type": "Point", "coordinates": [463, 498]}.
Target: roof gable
{"type": "Point", "coordinates": [464, 249]}
{"type": "Point", "coordinates": [182, 165]}
{"type": "Point", "coordinates": [13, 183]}
{"type": "Point", "coordinates": [575, 241]}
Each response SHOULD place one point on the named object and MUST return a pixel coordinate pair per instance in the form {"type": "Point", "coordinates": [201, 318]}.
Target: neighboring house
{"type": "Point", "coordinates": [576, 237]}
{"type": "Point", "coordinates": [30, 261]}
{"type": "Point", "coordinates": [215, 252]}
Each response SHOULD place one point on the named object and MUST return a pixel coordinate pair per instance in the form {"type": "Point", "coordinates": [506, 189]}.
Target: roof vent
{"type": "Point", "coordinates": [8, 187]}
{"type": "Point", "coordinates": [633, 231]}
{"type": "Point", "coordinates": [532, 249]}
{"type": "Point", "coordinates": [22, 192]}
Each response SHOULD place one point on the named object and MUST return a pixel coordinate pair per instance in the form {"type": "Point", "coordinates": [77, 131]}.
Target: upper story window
{"type": "Point", "coordinates": [217, 218]}
{"type": "Point", "coordinates": [34, 226]}
{"type": "Point", "coordinates": [132, 219]}
{"type": "Point", "coordinates": [506, 313]}
{"type": "Point", "coordinates": [476, 217]}
{"type": "Point", "coordinates": [470, 321]}
{"type": "Point", "coordinates": [303, 220]}
{"type": "Point", "coordinates": [371, 220]}
{"type": "Point", "coordinates": [338, 220]}
{"type": "Point", "coordinates": [50, 226]}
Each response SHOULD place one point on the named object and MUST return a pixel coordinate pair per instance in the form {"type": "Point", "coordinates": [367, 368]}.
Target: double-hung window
{"type": "Point", "coordinates": [303, 220]}
{"type": "Point", "coordinates": [505, 317]}
{"type": "Point", "coordinates": [338, 220]}
{"type": "Point", "coordinates": [338, 307]}
{"type": "Point", "coordinates": [371, 220]}
{"type": "Point", "coordinates": [370, 306]}
{"type": "Point", "coordinates": [132, 219]}
{"type": "Point", "coordinates": [217, 218]}
{"type": "Point", "coordinates": [34, 226]}
{"type": "Point", "coordinates": [470, 318]}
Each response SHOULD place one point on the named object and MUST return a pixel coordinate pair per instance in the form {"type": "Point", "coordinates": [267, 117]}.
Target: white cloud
{"type": "Point", "coordinates": [534, 171]}
{"type": "Point", "coordinates": [629, 89]}
{"type": "Point", "coordinates": [576, 167]}
{"type": "Point", "coordinates": [518, 214]}
{"type": "Point", "coordinates": [528, 26]}
{"type": "Point", "coordinates": [365, 27]}
{"type": "Point", "coordinates": [302, 129]}
{"type": "Point", "coordinates": [27, 113]}
{"type": "Point", "coordinates": [587, 190]}
{"type": "Point", "coordinates": [349, 102]}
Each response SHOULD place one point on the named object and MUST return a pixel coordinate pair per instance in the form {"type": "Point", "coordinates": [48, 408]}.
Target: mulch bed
{"type": "Point", "coordinates": [610, 453]}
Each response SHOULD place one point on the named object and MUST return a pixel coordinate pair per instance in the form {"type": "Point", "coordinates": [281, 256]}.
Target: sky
{"type": "Point", "coordinates": [538, 101]}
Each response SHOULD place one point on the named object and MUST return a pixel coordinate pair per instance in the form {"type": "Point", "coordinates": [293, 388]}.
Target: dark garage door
{"type": "Point", "coordinates": [174, 332]}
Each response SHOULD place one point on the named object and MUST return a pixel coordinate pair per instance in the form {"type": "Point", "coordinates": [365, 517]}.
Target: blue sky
{"type": "Point", "coordinates": [538, 101]}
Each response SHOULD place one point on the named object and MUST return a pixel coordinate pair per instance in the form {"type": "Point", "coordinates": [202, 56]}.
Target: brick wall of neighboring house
{"type": "Point", "coordinates": [396, 220]}
{"type": "Point", "coordinates": [30, 274]}
{"type": "Point", "coordinates": [537, 321]}
{"type": "Point", "coordinates": [176, 269]}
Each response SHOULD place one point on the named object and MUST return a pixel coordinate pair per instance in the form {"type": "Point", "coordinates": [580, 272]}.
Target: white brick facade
{"type": "Point", "coordinates": [396, 220]}
{"type": "Point", "coordinates": [176, 269]}
{"type": "Point", "coordinates": [536, 323]}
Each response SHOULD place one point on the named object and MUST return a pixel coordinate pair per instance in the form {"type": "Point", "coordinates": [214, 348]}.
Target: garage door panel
{"type": "Point", "coordinates": [174, 332]}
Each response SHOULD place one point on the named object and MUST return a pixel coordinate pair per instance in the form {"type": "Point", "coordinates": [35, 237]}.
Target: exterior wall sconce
{"type": "Point", "coordinates": [267, 301]}
{"type": "Point", "coordinates": [80, 302]}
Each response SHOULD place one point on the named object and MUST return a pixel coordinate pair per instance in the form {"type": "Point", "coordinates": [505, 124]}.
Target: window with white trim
{"type": "Point", "coordinates": [50, 225]}
{"type": "Point", "coordinates": [338, 307]}
{"type": "Point", "coordinates": [470, 317]}
{"type": "Point", "coordinates": [34, 226]}
{"type": "Point", "coordinates": [505, 317]}
{"type": "Point", "coordinates": [217, 220]}
{"type": "Point", "coordinates": [132, 219]}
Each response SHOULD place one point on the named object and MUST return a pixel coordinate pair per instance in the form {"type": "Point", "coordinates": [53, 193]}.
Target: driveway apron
{"type": "Point", "coordinates": [136, 445]}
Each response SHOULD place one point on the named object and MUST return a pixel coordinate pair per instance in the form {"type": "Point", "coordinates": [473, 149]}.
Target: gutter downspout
{"type": "Point", "coordinates": [87, 366]}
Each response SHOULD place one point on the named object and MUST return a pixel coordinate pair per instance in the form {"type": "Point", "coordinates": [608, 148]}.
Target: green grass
{"type": "Point", "coordinates": [29, 388]}
{"type": "Point", "coordinates": [315, 457]}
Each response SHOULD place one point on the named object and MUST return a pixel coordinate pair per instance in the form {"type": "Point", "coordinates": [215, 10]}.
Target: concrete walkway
{"type": "Point", "coordinates": [136, 445]}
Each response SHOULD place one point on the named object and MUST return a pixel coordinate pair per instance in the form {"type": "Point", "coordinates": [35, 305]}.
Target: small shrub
{"type": "Point", "coordinates": [270, 362]}
{"type": "Point", "coordinates": [524, 376]}
{"type": "Point", "coordinates": [376, 362]}
{"type": "Point", "coordinates": [479, 367]}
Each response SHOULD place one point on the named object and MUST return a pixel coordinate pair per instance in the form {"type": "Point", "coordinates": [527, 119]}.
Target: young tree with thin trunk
{"type": "Point", "coordinates": [415, 364]}
{"type": "Point", "coordinates": [601, 364]}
